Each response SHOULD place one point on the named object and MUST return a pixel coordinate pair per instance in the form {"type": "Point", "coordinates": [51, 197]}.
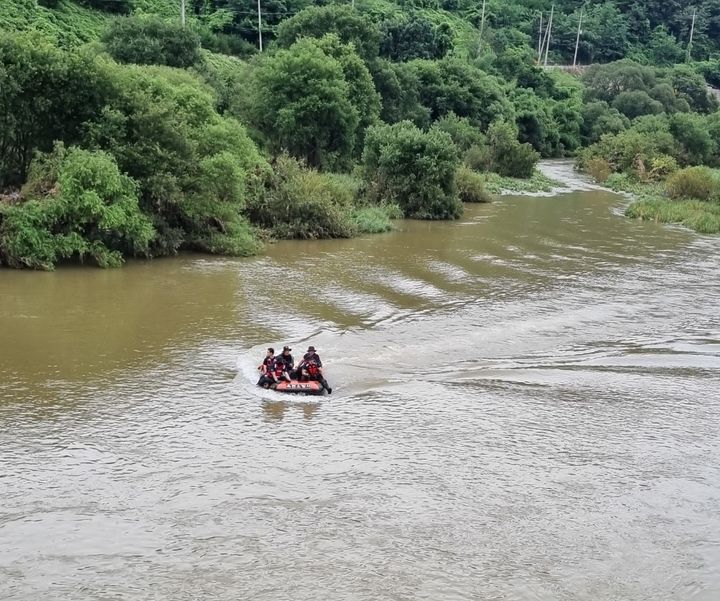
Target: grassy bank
{"type": "Point", "coordinates": [651, 203]}
{"type": "Point", "coordinates": [497, 184]}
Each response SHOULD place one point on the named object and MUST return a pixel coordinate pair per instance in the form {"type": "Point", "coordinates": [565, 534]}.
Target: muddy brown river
{"type": "Point", "coordinates": [526, 406]}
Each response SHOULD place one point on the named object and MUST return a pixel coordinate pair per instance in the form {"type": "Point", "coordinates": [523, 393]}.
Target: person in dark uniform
{"type": "Point", "coordinates": [311, 368]}
{"type": "Point", "coordinates": [266, 369]}
{"type": "Point", "coordinates": [287, 358]}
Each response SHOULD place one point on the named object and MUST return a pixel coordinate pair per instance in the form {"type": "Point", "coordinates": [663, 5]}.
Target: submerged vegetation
{"type": "Point", "coordinates": [123, 133]}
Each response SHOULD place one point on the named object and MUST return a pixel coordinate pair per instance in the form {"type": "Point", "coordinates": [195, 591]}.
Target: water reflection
{"type": "Point", "coordinates": [276, 411]}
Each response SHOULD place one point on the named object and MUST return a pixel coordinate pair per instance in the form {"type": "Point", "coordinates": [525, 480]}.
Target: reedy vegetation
{"type": "Point", "coordinates": [130, 136]}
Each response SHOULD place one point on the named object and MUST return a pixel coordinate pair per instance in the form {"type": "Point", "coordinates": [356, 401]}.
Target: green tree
{"type": "Point", "coordinates": [111, 6]}
{"type": "Point", "coordinates": [665, 95]}
{"type": "Point", "coordinates": [347, 23]}
{"type": "Point", "coordinates": [46, 94]}
{"type": "Point", "coordinates": [604, 82]}
{"type": "Point", "coordinates": [662, 49]}
{"type": "Point", "coordinates": [605, 36]}
{"type": "Point", "coordinates": [691, 86]}
{"type": "Point", "coordinates": [414, 169]}
{"type": "Point", "coordinates": [398, 86]}
{"type": "Point", "coordinates": [598, 118]}
{"type": "Point", "coordinates": [244, 21]}
{"type": "Point", "coordinates": [635, 103]}
{"type": "Point", "coordinates": [361, 89]}
{"type": "Point", "coordinates": [453, 85]}
{"type": "Point", "coordinates": [301, 102]}
{"type": "Point", "coordinates": [413, 37]}
{"type": "Point", "coordinates": [691, 131]}
{"type": "Point", "coordinates": [508, 156]}
{"type": "Point", "coordinates": [152, 41]}
{"type": "Point", "coordinates": [535, 123]}
{"type": "Point", "coordinates": [464, 134]}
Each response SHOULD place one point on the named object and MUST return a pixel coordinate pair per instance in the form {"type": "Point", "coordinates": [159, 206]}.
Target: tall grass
{"type": "Point", "coordinates": [497, 184]}
{"type": "Point", "coordinates": [703, 217]}
{"type": "Point", "coordinates": [376, 219]}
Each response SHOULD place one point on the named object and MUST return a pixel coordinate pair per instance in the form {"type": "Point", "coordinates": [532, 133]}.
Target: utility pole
{"type": "Point", "coordinates": [692, 32]}
{"type": "Point", "coordinates": [482, 25]}
{"type": "Point", "coordinates": [540, 39]}
{"type": "Point", "coordinates": [182, 13]}
{"type": "Point", "coordinates": [577, 41]}
{"type": "Point", "coordinates": [549, 33]}
{"type": "Point", "coordinates": [259, 27]}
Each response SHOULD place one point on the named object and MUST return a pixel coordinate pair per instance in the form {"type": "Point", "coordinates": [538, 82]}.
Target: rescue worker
{"type": "Point", "coordinates": [287, 358]}
{"type": "Point", "coordinates": [311, 368]}
{"type": "Point", "coordinates": [265, 369]}
{"type": "Point", "coordinates": [279, 369]}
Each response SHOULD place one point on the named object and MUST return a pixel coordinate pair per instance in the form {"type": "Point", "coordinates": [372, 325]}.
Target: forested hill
{"type": "Point", "coordinates": [124, 132]}
{"type": "Point", "coordinates": [652, 31]}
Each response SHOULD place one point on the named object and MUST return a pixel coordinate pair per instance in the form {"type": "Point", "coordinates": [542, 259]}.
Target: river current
{"type": "Point", "coordinates": [526, 407]}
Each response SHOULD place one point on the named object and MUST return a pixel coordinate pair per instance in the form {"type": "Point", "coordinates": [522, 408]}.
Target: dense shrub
{"type": "Point", "coordinates": [598, 119]}
{"type": "Point", "coordinates": [470, 186]}
{"type": "Point", "coordinates": [666, 96]}
{"type": "Point", "coordinates": [463, 133]}
{"type": "Point", "coordinates": [661, 166]}
{"type": "Point", "coordinates": [710, 70]}
{"type": "Point", "coordinates": [375, 219]}
{"type": "Point", "coordinates": [692, 87]}
{"type": "Point", "coordinates": [412, 168]}
{"type": "Point", "coordinates": [454, 85]}
{"type": "Point", "coordinates": [692, 182]}
{"type": "Point", "coordinates": [691, 132]}
{"type": "Point", "coordinates": [624, 150]}
{"type": "Point", "coordinates": [478, 158]}
{"type": "Point", "coordinates": [297, 202]}
{"type": "Point", "coordinates": [508, 156]}
{"type": "Point", "coordinates": [192, 165]}
{"type": "Point", "coordinates": [599, 169]}
{"type": "Point", "coordinates": [89, 209]}
{"type": "Point", "coordinates": [605, 82]}
{"type": "Point", "coordinates": [152, 41]}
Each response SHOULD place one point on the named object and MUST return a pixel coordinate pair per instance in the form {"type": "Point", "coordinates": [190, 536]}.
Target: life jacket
{"type": "Point", "coordinates": [310, 363]}
{"type": "Point", "coordinates": [313, 369]}
{"type": "Point", "coordinates": [278, 367]}
{"type": "Point", "coordinates": [267, 364]}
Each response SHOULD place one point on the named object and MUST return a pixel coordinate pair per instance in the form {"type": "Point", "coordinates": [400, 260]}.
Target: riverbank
{"type": "Point", "coordinates": [652, 203]}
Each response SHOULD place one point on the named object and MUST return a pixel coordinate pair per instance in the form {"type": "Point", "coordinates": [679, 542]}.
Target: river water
{"type": "Point", "coordinates": [525, 407]}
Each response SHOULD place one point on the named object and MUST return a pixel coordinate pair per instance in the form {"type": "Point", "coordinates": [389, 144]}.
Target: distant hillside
{"type": "Point", "coordinates": [649, 31]}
